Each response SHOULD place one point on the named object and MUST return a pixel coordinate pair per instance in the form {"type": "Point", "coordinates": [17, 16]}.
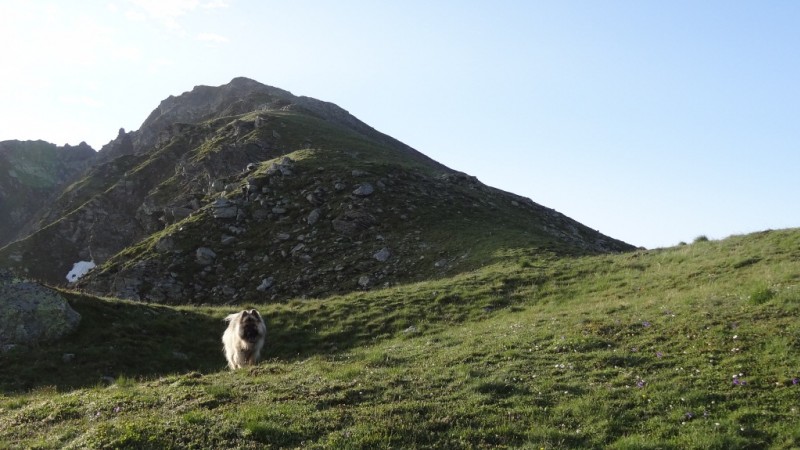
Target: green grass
{"type": "Point", "coordinates": [689, 347]}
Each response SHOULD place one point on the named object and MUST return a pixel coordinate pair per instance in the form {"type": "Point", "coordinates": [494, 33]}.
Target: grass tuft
{"type": "Point", "coordinates": [762, 293]}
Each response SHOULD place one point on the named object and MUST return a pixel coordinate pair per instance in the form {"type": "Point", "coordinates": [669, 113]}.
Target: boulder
{"type": "Point", "coordinates": [317, 197]}
{"type": "Point", "coordinates": [224, 209]}
{"type": "Point", "coordinates": [205, 256]}
{"type": "Point", "coordinates": [165, 244]}
{"type": "Point", "coordinates": [313, 216]}
{"type": "Point", "coordinates": [266, 283]}
{"type": "Point", "coordinates": [283, 167]}
{"type": "Point", "coordinates": [178, 213]}
{"type": "Point", "coordinates": [364, 190]}
{"type": "Point", "coordinates": [31, 313]}
{"type": "Point", "coordinates": [353, 222]}
{"type": "Point", "coordinates": [382, 255]}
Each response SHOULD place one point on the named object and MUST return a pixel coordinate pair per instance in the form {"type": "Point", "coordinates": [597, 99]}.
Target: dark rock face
{"type": "Point", "coordinates": [31, 313]}
{"type": "Point", "coordinates": [31, 173]}
{"type": "Point", "coordinates": [122, 145]}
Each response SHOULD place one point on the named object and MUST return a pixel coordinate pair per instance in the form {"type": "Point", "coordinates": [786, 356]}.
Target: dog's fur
{"type": "Point", "coordinates": [243, 339]}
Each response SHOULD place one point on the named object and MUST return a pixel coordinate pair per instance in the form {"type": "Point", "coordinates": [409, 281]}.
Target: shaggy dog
{"type": "Point", "coordinates": [243, 339]}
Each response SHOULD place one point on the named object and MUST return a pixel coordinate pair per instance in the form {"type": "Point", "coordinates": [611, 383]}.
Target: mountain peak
{"type": "Point", "coordinates": [203, 102]}
{"type": "Point", "coordinates": [246, 192]}
{"type": "Point", "coordinates": [245, 82]}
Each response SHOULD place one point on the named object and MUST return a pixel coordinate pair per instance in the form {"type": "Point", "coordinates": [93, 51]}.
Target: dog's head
{"type": "Point", "coordinates": [251, 325]}
{"type": "Point", "coordinates": [248, 324]}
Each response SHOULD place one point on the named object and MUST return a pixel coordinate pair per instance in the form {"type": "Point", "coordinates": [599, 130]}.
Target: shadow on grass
{"type": "Point", "coordinates": [131, 340]}
{"type": "Point", "coordinates": [117, 340]}
{"type": "Point", "coordinates": [124, 340]}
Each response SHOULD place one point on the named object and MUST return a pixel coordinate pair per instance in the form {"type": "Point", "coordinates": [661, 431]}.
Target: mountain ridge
{"type": "Point", "coordinates": [31, 172]}
{"type": "Point", "coordinates": [295, 195]}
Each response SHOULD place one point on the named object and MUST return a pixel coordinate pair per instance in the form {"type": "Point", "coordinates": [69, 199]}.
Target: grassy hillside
{"type": "Point", "coordinates": [690, 347]}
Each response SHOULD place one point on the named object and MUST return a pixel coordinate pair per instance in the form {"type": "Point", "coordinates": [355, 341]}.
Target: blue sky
{"type": "Point", "coordinates": [653, 122]}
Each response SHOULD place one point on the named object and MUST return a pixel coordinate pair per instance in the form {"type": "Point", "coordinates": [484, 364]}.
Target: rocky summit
{"type": "Point", "coordinates": [247, 193]}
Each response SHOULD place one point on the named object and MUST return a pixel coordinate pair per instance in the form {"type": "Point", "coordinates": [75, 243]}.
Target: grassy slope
{"type": "Point", "coordinates": [636, 350]}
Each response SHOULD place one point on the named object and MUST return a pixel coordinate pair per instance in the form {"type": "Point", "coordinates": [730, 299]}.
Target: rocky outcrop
{"type": "Point", "coordinates": [31, 313]}
{"type": "Point", "coordinates": [122, 145]}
